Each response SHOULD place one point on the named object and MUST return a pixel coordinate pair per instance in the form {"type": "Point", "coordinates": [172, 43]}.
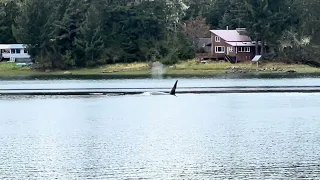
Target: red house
{"type": "Point", "coordinates": [233, 45]}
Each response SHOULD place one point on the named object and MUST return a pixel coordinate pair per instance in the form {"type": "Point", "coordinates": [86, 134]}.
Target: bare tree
{"type": "Point", "coordinates": [197, 28]}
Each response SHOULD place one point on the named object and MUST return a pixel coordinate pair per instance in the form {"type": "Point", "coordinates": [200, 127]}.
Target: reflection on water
{"type": "Point", "coordinates": [241, 136]}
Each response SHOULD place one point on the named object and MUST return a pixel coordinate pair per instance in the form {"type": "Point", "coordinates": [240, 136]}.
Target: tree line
{"type": "Point", "coordinates": [63, 34]}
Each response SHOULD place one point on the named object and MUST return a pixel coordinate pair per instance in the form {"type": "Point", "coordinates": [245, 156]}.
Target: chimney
{"type": "Point", "coordinates": [227, 27]}
{"type": "Point", "coordinates": [241, 31]}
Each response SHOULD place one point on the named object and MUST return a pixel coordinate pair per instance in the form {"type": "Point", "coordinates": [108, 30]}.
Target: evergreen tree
{"type": "Point", "coordinates": [217, 10]}
{"type": "Point", "coordinates": [77, 33]}
{"type": "Point", "coordinates": [198, 8]}
{"type": "Point", "coordinates": [9, 10]}
{"type": "Point", "coordinates": [90, 43]}
{"type": "Point", "coordinates": [32, 26]}
{"type": "Point", "coordinates": [66, 29]}
{"type": "Point", "coordinates": [265, 20]}
{"type": "Point", "coordinates": [233, 16]}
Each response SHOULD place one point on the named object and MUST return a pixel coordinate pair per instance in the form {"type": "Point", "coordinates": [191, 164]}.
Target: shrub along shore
{"type": "Point", "coordinates": [190, 67]}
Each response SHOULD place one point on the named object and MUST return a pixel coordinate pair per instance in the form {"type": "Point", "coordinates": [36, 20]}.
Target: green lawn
{"type": "Point", "coordinates": [184, 68]}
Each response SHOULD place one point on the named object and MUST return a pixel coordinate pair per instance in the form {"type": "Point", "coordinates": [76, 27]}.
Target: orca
{"type": "Point", "coordinates": [172, 92]}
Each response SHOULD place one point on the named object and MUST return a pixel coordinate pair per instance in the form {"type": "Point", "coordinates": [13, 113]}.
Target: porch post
{"type": "Point", "coordinates": [236, 53]}
{"type": "Point", "coordinates": [211, 53]}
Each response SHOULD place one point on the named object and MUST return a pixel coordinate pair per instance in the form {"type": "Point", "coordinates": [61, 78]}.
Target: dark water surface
{"type": "Point", "coordinates": [203, 136]}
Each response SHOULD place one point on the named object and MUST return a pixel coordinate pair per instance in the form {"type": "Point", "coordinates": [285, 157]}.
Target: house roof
{"type": "Point", "coordinates": [204, 42]}
{"type": "Point", "coordinates": [241, 43]}
{"type": "Point", "coordinates": [4, 46]}
{"type": "Point", "coordinates": [231, 35]}
{"type": "Point", "coordinates": [12, 46]}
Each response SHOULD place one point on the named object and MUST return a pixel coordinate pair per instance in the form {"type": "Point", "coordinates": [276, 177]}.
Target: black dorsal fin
{"type": "Point", "coordinates": [173, 90]}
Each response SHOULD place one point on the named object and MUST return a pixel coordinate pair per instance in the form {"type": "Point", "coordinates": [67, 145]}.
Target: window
{"type": "Point", "coordinates": [5, 50]}
{"type": "Point", "coordinates": [16, 51]}
{"type": "Point", "coordinates": [219, 49]}
{"type": "Point", "coordinates": [243, 49]}
{"type": "Point", "coordinates": [217, 39]}
{"type": "Point", "coordinates": [230, 49]}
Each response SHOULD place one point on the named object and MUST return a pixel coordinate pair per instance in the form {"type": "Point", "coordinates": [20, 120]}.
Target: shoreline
{"type": "Point", "coordinates": [187, 69]}
{"type": "Point", "coordinates": [166, 76]}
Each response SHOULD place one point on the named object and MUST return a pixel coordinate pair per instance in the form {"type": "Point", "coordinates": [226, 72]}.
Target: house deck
{"type": "Point", "coordinates": [206, 57]}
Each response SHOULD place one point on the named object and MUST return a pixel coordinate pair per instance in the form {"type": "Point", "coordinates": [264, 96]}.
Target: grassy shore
{"type": "Point", "coordinates": [184, 68]}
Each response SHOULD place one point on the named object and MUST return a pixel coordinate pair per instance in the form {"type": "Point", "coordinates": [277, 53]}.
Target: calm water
{"type": "Point", "coordinates": [203, 136]}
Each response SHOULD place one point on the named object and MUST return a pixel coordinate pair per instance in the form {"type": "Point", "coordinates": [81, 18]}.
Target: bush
{"type": "Point", "coordinates": [169, 61]}
{"type": "Point", "coordinates": [308, 54]}
{"type": "Point", "coordinates": [201, 50]}
{"type": "Point", "coordinates": [42, 63]}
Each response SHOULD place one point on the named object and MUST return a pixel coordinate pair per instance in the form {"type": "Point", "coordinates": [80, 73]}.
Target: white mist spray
{"type": "Point", "coordinates": [158, 69]}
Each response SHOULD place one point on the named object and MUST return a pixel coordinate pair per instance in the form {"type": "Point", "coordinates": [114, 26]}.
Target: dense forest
{"type": "Point", "coordinates": [65, 34]}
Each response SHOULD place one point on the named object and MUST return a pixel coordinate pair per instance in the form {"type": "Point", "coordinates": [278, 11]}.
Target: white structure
{"type": "Point", "coordinates": [257, 59]}
{"type": "Point", "coordinates": [13, 52]}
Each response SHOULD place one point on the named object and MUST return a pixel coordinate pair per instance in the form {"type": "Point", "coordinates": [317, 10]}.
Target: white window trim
{"type": "Point", "coordinates": [216, 49]}
{"type": "Point", "coordinates": [244, 49]}
{"type": "Point", "coordinates": [217, 39]}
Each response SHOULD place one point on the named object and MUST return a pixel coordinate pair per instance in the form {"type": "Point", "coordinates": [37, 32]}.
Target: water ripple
{"type": "Point", "coordinates": [235, 136]}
